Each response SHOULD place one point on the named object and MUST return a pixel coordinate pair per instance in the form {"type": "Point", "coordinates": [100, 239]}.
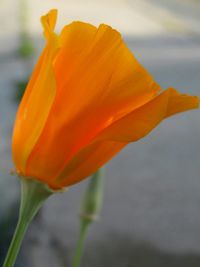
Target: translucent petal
{"type": "Point", "coordinates": [140, 122]}
{"type": "Point", "coordinates": [37, 101]}
{"type": "Point", "coordinates": [99, 81]}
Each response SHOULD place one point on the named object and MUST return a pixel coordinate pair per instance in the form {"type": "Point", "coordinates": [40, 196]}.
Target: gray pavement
{"type": "Point", "coordinates": [150, 215]}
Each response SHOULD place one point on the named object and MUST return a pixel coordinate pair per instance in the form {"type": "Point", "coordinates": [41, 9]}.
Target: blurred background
{"type": "Point", "coordinates": [151, 214]}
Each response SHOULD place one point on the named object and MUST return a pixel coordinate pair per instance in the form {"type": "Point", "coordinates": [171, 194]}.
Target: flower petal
{"type": "Point", "coordinates": [48, 22]}
{"type": "Point", "coordinates": [95, 66]}
{"type": "Point", "coordinates": [74, 38]}
{"type": "Point", "coordinates": [140, 122]}
{"type": "Point", "coordinates": [128, 129]}
{"type": "Point", "coordinates": [181, 102]}
{"type": "Point", "coordinates": [102, 82]}
{"type": "Point", "coordinates": [33, 110]}
{"type": "Point", "coordinates": [87, 162]}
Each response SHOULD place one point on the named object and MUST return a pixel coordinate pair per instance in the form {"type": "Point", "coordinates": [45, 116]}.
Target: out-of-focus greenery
{"type": "Point", "coordinates": [7, 227]}
{"type": "Point", "coordinates": [20, 88]}
{"type": "Point", "coordinates": [26, 48]}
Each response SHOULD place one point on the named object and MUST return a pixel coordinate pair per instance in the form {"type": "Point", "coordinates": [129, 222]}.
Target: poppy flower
{"type": "Point", "coordinates": [88, 97]}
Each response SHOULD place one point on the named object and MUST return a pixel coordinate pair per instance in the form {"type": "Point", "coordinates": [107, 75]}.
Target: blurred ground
{"type": "Point", "coordinates": [151, 213]}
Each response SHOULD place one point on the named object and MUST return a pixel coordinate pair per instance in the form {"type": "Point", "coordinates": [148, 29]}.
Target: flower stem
{"type": "Point", "coordinates": [91, 205]}
{"type": "Point", "coordinates": [80, 244]}
{"type": "Point", "coordinates": [15, 244]}
{"type": "Point", "coordinates": [33, 194]}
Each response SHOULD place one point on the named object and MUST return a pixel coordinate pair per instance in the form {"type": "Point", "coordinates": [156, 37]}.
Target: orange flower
{"type": "Point", "coordinates": [88, 97]}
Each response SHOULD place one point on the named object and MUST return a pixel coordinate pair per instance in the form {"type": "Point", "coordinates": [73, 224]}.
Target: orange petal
{"type": "Point", "coordinates": [33, 111]}
{"type": "Point", "coordinates": [181, 102]}
{"type": "Point", "coordinates": [48, 22]}
{"type": "Point", "coordinates": [130, 128]}
{"type": "Point", "coordinates": [87, 162]}
{"type": "Point", "coordinates": [74, 39]}
{"type": "Point", "coordinates": [95, 66]}
{"type": "Point", "coordinates": [72, 45]}
{"type": "Point", "coordinates": [140, 122]}
{"type": "Point", "coordinates": [99, 82]}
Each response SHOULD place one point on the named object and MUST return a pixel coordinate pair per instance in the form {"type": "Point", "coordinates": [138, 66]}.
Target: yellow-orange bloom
{"type": "Point", "coordinates": [87, 98]}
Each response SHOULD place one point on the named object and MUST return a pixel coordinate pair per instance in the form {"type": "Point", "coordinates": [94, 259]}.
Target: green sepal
{"type": "Point", "coordinates": [33, 194]}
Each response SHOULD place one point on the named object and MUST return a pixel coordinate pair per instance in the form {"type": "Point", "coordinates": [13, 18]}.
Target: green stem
{"type": "Point", "coordinates": [33, 194]}
{"type": "Point", "coordinates": [15, 244]}
{"type": "Point", "coordinates": [91, 205]}
{"type": "Point", "coordinates": [80, 244]}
